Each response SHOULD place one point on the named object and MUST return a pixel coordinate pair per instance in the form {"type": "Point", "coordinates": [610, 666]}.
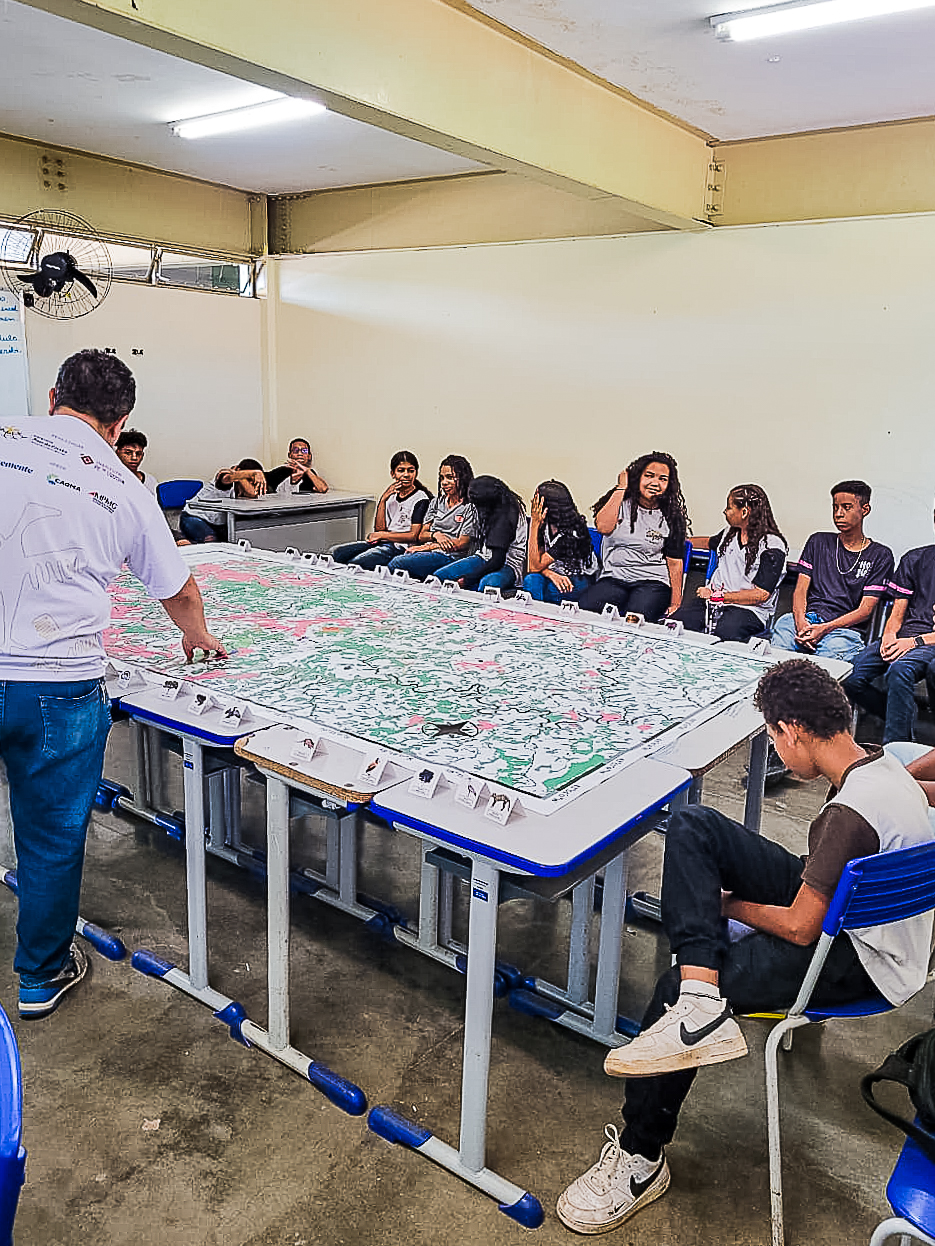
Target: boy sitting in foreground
{"type": "Point", "coordinates": [715, 869]}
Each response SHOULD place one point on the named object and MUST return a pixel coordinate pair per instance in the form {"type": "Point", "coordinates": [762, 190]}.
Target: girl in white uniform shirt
{"type": "Point", "coordinates": [740, 597]}
{"type": "Point", "coordinates": [449, 524]}
{"type": "Point", "coordinates": [644, 524]}
{"type": "Point", "coordinates": [398, 520]}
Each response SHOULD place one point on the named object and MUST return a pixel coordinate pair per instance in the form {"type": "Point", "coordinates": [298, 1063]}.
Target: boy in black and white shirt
{"type": "Point", "coordinates": [714, 868]}
{"type": "Point", "coordinates": [842, 576]}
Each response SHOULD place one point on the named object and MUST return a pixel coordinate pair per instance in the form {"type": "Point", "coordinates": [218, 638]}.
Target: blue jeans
{"type": "Point", "coordinates": [197, 530]}
{"type": "Point", "coordinates": [469, 569]}
{"type": "Point", "coordinates": [422, 562]}
{"type": "Point", "coordinates": [896, 705]}
{"type": "Point", "coordinates": [542, 589]}
{"type": "Point", "coordinates": [844, 642]}
{"type": "Point", "coordinates": [52, 738]}
{"type": "Point", "coordinates": [364, 554]}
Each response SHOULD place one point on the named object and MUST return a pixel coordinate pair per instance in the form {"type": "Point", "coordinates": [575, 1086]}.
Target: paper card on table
{"type": "Point", "coordinates": [469, 791]}
{"type": "Point", "coordinates": [304, 749]}
{"type": "Point", "coordinates": [499, 807]}
{"type": "Point", "coordinates": [203, 702]}
{"type": "Point", "coordinates": [424, 782]}
{"type": "Point", "coordinates": [234, 715]}
{"type": "Point", "coordinates": [371, 768]}
{"type": "Point", "coordinates": [130, 680]}
{"type": "Point", "coordinates": [636, 620]}
{"type": "Point", "coordinates": [170, 689]}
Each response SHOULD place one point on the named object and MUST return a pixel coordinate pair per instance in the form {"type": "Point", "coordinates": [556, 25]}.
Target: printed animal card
{"type": "Point", "coordinates": [469, 791]}
{"type": "Point", "coordinates": [499, 807]}
{"type": "Point", "coordinates": [371, 768]}
{"type": "Point", "coordinates": [425, 781]}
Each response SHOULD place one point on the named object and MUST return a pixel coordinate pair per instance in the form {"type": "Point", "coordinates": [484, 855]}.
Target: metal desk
{"type": "Point", "coordinates": [303, 521]}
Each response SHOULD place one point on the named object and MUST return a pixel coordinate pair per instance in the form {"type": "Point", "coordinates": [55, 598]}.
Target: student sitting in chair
{"type": "Point", "coordinates": [245, 480]}
{"type": "Point", "coordinates": [739, 598]}
{"type": "Point", "coordinates": [296, 475]}
{"type": "Point", "coordinates": [130, 448]}
{"type": "Point", "coordinates": [904, 653]}
{"type": "Point", "coordinates": [714, 868]}
{"type": "Point", "coordinates": [842, 576]}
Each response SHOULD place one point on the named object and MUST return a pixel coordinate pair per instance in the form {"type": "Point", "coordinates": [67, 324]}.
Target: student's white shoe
{"type": "Point", "coordinates": [696, 1030]}
{"type": "Point", "coordinates": [618, 1185]}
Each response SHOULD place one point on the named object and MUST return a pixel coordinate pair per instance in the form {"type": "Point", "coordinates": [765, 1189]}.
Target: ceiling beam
{"type": "Point", "coordinates": [431, 71]}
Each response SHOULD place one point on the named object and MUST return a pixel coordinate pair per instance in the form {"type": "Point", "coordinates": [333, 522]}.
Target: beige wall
{"type": "Point", "coordinates": [788, 355]}
{"type": "Point", "coordinates": [199, 391]}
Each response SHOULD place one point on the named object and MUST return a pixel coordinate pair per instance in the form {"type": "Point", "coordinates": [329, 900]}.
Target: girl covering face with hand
{"type": "Point", "coordinates": [398, 520]}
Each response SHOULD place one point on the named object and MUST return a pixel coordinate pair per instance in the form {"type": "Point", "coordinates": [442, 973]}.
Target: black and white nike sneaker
{"type": "Point", "coordinates": [618, 1185]}
{"type": "Point", "coordinates": [696, 1030]}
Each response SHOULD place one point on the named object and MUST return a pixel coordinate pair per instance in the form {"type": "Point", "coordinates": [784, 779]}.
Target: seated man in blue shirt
{"type": "Point", "coordinates": [842, 576]}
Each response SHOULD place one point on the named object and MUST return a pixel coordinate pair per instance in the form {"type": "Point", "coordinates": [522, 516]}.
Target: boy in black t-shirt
{"type": "Point", "coordinates": [842, 576]}
{"type": "Point", "coordinates": [904, 653]}
{"type": "Point", "coordinates": [715, 868]}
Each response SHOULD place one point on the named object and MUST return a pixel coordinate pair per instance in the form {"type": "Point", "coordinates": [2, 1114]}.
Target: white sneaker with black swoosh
{"type": "Point", "coordinates": [696, 1030]}
{"type": "Point", "coordinates": [618, 1185]}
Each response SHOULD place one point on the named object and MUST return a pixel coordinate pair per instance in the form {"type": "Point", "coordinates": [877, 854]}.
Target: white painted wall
{"type": "Point", "coordinates": [199, 391]}
{"type": "Point", "coordinates": [791, 356]}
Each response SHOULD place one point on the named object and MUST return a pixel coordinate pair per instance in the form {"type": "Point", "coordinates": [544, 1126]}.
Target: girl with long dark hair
{"type": "Point", "coordinates": [644, 524]}
{"type": "Point", "coordinates": [398, 519]}
{"type": "Point", "coordinates": [449, 524]}
{"type": "Point", "coordinates": [560, 556]}
{"type": "Point", "coordinates": [740, 596]}
{"type": "Point", "coordinates": [501, 537]}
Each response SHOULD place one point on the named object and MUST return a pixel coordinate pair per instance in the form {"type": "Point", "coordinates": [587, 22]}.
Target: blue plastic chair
{"type": "Point", "coordinates": [872, 891]}
{"type": "Point", "coordinates": [911, 1194]}
{"type": "Point", "coordinates": [173, 494]}
{"type": "Point", "coordinates": [12, 1152]}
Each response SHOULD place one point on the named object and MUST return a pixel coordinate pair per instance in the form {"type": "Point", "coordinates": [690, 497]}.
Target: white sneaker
{"type": "Point", "coordinates": [695, 1030]}
{"type": "Point", "coordinates": [618, 1185]}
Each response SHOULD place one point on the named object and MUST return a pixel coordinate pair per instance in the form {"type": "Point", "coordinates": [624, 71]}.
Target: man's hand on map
{"type": "Point", "coordinates": [204, 641]}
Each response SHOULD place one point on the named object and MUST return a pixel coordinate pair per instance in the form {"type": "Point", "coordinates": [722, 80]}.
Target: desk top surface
{"type": "Point", "coordinates": [273, 503]}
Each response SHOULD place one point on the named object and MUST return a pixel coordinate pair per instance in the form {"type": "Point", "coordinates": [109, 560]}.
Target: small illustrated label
{"type": "Point", "coordinates": [202, 703]}
{"type": "Point", "coordinates": [499, 807]}
{"type": "Point", "coordinates": [304, 749]}
{"type": "Point", "coordinates": [371, 768]}
{"type": "Point", "coordinates": [424, 782]}
{"type": "Point", "coordinates": [469, 792]}
{"type": "Point", "coordinates": [634, 619]}
{"type": "Point", "coordinates": [170, 689]}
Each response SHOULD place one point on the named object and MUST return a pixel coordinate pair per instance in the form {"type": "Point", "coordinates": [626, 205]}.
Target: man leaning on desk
{"type": "Point", "coordinates": [72, 516]}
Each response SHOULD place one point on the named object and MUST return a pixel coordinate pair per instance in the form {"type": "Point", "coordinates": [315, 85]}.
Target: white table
{"type": "Point", "coordinates": [303, 521]}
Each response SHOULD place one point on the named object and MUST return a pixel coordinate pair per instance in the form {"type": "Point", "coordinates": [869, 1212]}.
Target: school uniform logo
{"type": "Point", "coordinates": [12, 433]}
{"type": "Point", "coordinates": [86, 458]}
{"type": "Point", "coordinates": [105, 503]}
{"type": "Point", "coordinates": [66, 484]}
{"type": "Point", "coordinates": [16, 467]}
{"type": "Point", "coordinates": [47, 445]}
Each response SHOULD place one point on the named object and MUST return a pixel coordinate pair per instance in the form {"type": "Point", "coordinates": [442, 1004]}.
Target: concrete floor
{"type": "Point", "coordinates": [146, 1124]}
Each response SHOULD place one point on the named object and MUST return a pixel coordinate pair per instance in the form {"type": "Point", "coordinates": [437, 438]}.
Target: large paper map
{"type": "Point", "coordinates": [529, 702]}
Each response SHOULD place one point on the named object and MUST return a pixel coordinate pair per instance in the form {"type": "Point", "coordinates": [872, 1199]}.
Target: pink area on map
{"type": "Point", "coordinates": [611, 718]}
{"type": "Point", "coordinates": [593, 674]}
{"type": "Point", "coordinates": [645, 727]}
{"type": "Point", "coordinates": [415, 720]}
{"type": "Point", "coordinates": [486, 665]}
{"type": "Point", "coordinates": [573, 715]}
{"type": "Point", "coordinates": [484, 725]}
{"type": "Point", "coordinates": [524, 621]}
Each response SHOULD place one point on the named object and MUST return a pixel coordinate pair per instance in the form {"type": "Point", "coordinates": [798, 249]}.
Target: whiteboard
{"type": "Point", "coordinates": [14, 371]}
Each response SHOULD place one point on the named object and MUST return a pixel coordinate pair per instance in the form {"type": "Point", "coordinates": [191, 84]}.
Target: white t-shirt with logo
{"type": "Point", "coordinates": [72, 516]}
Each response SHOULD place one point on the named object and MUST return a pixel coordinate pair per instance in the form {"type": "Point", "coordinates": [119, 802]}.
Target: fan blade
{"type": "Point", "coordinates": [85, 281]}
{"type": "Point", "coordinates": [29, 278]}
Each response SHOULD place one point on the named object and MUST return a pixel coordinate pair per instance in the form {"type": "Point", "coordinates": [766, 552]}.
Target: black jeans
{"type": "Point", "coordinates": [706, 852]}
{"type": "Point", "coordinates": [646, 597]}
{"type": "Point", "coordinates": [733, 623]}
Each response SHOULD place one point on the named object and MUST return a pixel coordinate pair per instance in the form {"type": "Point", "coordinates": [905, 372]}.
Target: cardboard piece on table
{"type": "Point", "coordinates": [469, 791]}
{"type": "Point", "coordinates": [675, 626]}
{"type": "Point", "coordinates": [202, 703]}
{"type": "Point", "coordinates": [304, 748]}
{"type": "Point", "coordinates": [499, 807]}
{"type": "Point", "coordinates": [371, 769]}
{"type": "Point", "coordinates": [424, 782]}
{"type": "Point", "coordinates": [171, 688]}
{"type": "Point", "coordinates": [129, 680]}
{"type": "Point", "coordinates": [634, 619]}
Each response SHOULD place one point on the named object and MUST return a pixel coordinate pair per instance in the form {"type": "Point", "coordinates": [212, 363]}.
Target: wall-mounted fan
{"type": "Point", "coordinates": [56, 263]}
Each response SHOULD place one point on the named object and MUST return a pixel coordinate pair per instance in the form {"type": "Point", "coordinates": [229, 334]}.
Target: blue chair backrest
{"type": "Point", "coordinates": [596, 540]}
{"type": "Point", "coordinates": [173, 494]}
{"type": "Point", "coordinates": [12, 1154]}
{"type": "Point", "coordinates": [883, 888]}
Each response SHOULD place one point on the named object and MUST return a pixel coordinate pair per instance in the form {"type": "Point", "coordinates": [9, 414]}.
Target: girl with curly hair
{"type": "Point", "coordinates": [740, 596]}
{"type": "Point", "coordinates": [449, 524]}
{"type": "Point", "coordinates": [561, 559]}
{"type": "Point", "coordinates": [644, 523]}
{"type": "Point", "coordinates": [501, 536]}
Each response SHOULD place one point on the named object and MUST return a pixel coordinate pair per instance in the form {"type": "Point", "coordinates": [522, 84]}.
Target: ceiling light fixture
{"type": "Point", "coordinates": [781, 19]}
{"type": "Point", "coordinates": [270, 112]}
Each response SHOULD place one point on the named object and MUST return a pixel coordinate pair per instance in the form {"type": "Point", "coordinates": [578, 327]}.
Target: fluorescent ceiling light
{"type": "Point", "coordinates": [270, 112]}
{"type": "Point", "coordinates": [781, 19]}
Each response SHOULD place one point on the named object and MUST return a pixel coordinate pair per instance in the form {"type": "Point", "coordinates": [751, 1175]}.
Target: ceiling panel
{"type": "Point", "coordinates": [73, 86]}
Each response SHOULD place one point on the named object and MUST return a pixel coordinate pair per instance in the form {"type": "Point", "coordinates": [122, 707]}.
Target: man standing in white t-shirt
{"type": "Point", "coordinates": [72, 517]}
